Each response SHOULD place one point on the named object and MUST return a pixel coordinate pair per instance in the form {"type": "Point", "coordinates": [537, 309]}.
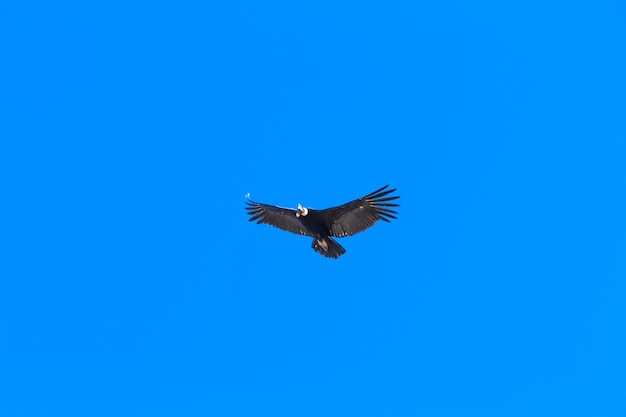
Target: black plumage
{"type": "Point", "coordinates": [323, 225]}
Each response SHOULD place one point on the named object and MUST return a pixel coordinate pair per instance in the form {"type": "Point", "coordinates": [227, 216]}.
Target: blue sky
{"type": "Point", "coordinates": [131, 282]}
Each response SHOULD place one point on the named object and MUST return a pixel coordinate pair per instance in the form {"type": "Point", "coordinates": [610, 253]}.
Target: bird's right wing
{"type": "Point", "coordinates": [280, 217]}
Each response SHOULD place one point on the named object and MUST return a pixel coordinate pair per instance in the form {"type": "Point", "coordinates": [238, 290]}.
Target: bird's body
{"type": "Point", "coordinates": [323, 225]}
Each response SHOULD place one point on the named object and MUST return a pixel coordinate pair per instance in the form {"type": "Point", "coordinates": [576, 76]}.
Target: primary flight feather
{"type": "Point", "coordinates": [322, 225]}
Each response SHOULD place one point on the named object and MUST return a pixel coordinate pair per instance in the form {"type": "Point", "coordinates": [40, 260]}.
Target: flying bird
{"type": "Point", "coordinates": [323, 225]}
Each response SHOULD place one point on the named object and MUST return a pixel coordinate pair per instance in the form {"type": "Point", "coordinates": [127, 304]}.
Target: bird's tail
{"type": "Point", "coordinates": [327, 247]}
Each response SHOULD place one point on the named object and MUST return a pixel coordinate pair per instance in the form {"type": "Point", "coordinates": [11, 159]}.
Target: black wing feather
{"type": "Point", "coordinates": [280, 217]}
{"type": "Point", "coordinates": [360, 214]}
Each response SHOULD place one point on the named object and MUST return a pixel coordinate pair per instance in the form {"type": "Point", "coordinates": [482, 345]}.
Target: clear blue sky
{"type": "Point", "coordinates": [132, 284]}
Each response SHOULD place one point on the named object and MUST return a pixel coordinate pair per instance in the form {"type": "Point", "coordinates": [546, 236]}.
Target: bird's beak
{"type": "Point", "coordinates": [299, 211]}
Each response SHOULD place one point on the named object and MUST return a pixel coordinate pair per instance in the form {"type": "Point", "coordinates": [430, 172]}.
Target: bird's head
{"type": "Point", "coordinates": [302, 211]}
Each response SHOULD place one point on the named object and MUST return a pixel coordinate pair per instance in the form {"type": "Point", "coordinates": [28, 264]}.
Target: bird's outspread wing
{"type": "Point", "coordinates": [281, 217]}
{"type": "Point", "coordinates": [360, 214]}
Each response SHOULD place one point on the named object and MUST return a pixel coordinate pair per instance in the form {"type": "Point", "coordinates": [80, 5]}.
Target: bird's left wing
{"type": "Point", "coordinates": [281, 217]}
{"type": "Point", "coordinates": [360, 214]}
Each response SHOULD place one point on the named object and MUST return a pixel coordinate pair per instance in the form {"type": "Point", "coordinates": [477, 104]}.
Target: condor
{"type": "Point", "coordinates": [323, 225]}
